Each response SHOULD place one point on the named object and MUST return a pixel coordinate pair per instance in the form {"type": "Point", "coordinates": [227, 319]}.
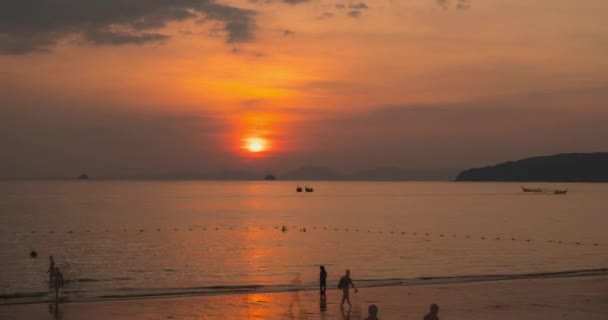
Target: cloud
{"type": "Point", "coordinates": [463, 4]}
{"type": "Point", "coordinates": [295, 1]}
{"type": "Point", "coordinates": [99, 37]}
{"type": "Point", "coordinates": [252, 53]}
{"type": "Point", "coordinates": [38, 25]}
{"type": "Point", "coordinates": [354, 14]}
{"type": "Point", "coordinates": [358, 6]}
{"type": "Point", "coordinates": [325, 15]}
{"type": "Point", "coordinates": [458, 4]}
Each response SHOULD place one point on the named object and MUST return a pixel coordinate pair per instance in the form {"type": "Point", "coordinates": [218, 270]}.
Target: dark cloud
{"type": "Point", "coordinates": [458, 4]}
{"type": "Point", "coordinates": [99, 37]}
{"type": "Point", "coordinates": [325, 15]}
{"type": "Point", "coordinates": [463, 4]}
{"type": "Point", "coordinates": [358, 6]}
{"type": "Point", "coordinates": [37, 25]}
{"type": "Point", "coordinates": [354, 14]}
{"type": "Point", "coordinates": [253, 53]}
{"type": "Point", "coordinates": [295, 1]}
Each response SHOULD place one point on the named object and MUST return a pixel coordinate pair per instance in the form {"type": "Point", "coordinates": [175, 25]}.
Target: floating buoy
{"type": "Point", "coordinates": [550, 241]}
{"type": "Point", "coordinates": [513, 239]}
{"type": "Point", "coordinates": [483, 238]}
{"type": "Point", "coordinates": [441, 235]}
{"type": "Point", "coordinates": [578, 243]}
{"type": "Point", "coordinates": [528, 240]}
{"type": "Point", "coordinates": [497, 238]}
{"type": "Point", "coordinates": [141, 230]}
{"type": "Point", "coordinates": [595, 244]}
{"type": "Point", "coordinates": [33, 254]}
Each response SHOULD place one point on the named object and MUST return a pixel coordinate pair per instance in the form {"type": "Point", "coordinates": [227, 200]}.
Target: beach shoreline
{"type": "Point", "coordinates": [575, 297]}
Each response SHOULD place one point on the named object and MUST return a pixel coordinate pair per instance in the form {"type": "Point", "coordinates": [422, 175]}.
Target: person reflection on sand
{"type": "Point", "coordinates": [297, 284]}
{"type": "Point", "coordinates": [345, 313]}
{"type": "Point", "coordinates": [432, 315]}
{"type": "Point", "coordinates": [57, 282]}
{"type": "Point", "coordinates": [372, 313]}
{"type": "Point", "coordinates": [323, 304]}
{"type": "Point", "coordinates": [54, 311]}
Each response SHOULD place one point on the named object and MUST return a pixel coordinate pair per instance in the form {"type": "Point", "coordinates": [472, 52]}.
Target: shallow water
{"type": "Point", "coordinates": [123, 239]}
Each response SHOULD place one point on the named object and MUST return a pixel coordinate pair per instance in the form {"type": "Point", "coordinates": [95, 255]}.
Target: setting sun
{"type": "Point", "coordinates": [255, 144]}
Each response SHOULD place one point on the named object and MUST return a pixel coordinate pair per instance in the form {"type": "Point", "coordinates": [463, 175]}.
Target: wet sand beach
{"type": "Point", "coordinates": [551, 298]}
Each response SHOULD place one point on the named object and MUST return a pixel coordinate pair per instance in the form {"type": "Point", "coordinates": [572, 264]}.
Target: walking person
{"type": "Point", "coordinates": [345, 283]}
{"type": "Point", "coordinates": [51, 271]}
{"type": "Point", "coordinates": [58, 282]}
{"type": "Point", "coordinates": [323, 280]}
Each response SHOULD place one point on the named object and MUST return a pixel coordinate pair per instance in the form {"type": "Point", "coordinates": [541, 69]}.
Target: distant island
{"type": "Point", "coordinates": [566, 167]}
{"type": "Point", "coordinates": [270, 177]}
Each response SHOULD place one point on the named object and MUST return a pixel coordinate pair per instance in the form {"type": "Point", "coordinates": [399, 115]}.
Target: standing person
{"type": "Point", "coordinates": [432, 315]}
{"type": "Point", "coordinates": [323, 280]}
{"type": "Point", "coordinates": [51, 271]}
{"type": "Point", "coordinates": [372, 313]}
{"type": "Point", "coordinates": [58, 282]}
{"type": "Point", "coordinates": [345, 283]}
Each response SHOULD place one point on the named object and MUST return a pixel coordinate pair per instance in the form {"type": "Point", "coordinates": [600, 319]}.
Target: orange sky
{"type": "Point", "coordinates": [314, 79]}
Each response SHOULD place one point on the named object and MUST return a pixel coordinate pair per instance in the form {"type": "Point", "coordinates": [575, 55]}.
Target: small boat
{"type": "Point", "coordinates": [309, 189]}
{"type": "Point", "coordinates": [299, 189]}
{"type": "Point", "coordinates": [560, 191]}
{"type": "Point", "coordinates": [531, 189]}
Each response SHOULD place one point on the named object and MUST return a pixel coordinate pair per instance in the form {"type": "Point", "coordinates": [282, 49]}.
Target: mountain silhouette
{"type": "Point", "coordinates": [566, 167]}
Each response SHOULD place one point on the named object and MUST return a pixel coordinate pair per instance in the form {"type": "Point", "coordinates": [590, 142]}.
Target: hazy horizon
{"type": "Point", "coordinates": [114, 88]}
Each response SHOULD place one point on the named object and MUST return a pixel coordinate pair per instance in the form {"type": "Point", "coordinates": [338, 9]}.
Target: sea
{"type": "Point", "coordinates": [138, 239]}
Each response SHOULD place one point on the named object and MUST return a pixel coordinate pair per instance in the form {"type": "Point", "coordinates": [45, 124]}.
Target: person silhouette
{"type": "Point", "coordinates": [372, 313]}
{"type": "Point", "coordinates": [57, 282]}
{"type": "Point", "coordinates": [345, 283]}
{"type": "Point", "coordinates": [322, 280]}
{"type": "Point", "coordinates": [432, 315]}
{"type": "Point", "coordinates": [51, 271]}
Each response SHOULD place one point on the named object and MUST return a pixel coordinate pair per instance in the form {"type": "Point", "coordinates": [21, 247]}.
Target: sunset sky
{"type": "Point", "coordinates": [138, 87]}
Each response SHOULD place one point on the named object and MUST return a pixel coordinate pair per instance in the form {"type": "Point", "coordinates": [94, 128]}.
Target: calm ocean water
{"type": "Point", "coordinates": [130, 239]}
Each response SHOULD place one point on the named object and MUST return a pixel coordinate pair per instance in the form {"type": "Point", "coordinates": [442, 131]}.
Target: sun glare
{"type": "Point", "coordinates": [255, 144]}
